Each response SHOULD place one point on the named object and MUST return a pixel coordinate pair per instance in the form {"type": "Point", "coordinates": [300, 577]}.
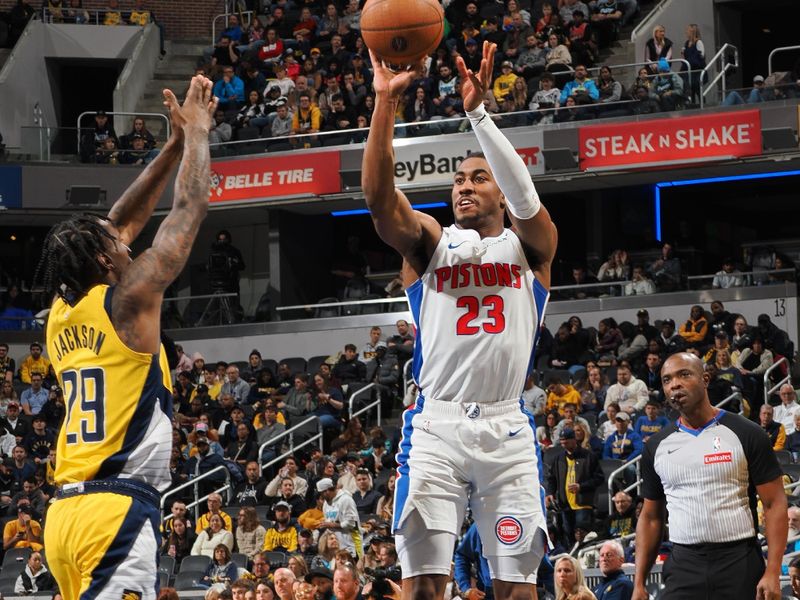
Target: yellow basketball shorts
{"type": "Point", "coordinates": [103, 545]}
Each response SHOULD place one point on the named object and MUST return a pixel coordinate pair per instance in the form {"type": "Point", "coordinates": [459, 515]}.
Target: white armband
{"type": "Point", "coordinates": [508, 168]}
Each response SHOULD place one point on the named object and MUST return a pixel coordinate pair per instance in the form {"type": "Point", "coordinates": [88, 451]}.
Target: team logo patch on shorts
{"type": "Point", "coordinates": [131, 595]}
{"type": "Point", "coordinates": [473, 410]}
{"type": "Point", "coordinates": [508, 530]}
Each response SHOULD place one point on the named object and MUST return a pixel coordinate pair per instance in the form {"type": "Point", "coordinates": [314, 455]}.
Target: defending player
{"type": "Point", "coordinates": [477, 293]}
{"type": "Point", "coordinates": [103, 338]}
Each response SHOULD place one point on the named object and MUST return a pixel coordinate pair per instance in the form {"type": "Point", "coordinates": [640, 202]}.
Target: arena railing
{"type": "Point", "coordinates": [751, 278]}
{"type": "Point", "coordinates": [225, 16]}
{"type": "Point", "coordinates": [582, 552]}
{"type": "Point", "coordinates": [363, 392]}
{"type": "Point", "coordinates": [317, 437]}
{"type": "Point", "coordinates": [768, 391]}
{"type": "Point", "coordinates": [619, 471]}
{"type": "Point", "coordinates": [86, 113]}
{"type": "Point", "coordinates": [408, 377]}
{"type": "Point", "coordinates": [737, 395]}
{"type": "Point", "coordinates": [595, 576]}
{"type": "Point", "coordinates": [722, 70]}
{"type": "Point", "coordinates": [95, 15]}
{"type": "Point", "coordinates": [778, 51]}
{"type": "Point", "coordinates": [585, 108]}
{"type": "Point", "coordinates": [194, 482]}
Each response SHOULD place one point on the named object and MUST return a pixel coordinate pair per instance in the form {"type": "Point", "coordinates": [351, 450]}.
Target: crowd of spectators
{"type": "Point", "coordinates": [100, 144]}
{"type": "Point", "coordinates": [317, 513]}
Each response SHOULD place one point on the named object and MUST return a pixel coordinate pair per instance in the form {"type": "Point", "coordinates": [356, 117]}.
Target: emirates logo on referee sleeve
{"type": "Point", "coordinates": [508, 530]}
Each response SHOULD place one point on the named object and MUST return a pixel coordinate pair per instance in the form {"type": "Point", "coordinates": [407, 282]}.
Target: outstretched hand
{"type": "Point", "coordinates": [474, 87]}
{"type": "Point", "coordinates": [386, 81]}
{"type": "Point", "coordinates": [198, 108]}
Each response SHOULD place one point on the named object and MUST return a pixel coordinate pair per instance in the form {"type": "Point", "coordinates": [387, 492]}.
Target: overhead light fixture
{"type": "Point", "coordinates": [364, 211]}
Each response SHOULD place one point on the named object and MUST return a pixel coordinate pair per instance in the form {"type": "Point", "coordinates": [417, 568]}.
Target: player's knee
{"type": "Point", "coordinates": [504, 590]}
{"type": "Point", "coordinates": [422, 588]}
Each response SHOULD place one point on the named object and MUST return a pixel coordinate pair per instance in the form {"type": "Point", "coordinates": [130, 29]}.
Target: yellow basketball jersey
{"type": "Point", "coordinates": [119, 404]}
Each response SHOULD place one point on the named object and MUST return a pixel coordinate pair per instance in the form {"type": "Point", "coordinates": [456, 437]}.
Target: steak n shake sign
{"type": "Point", "coordinates": [436, 161]}
{"type": "Point", "coordinates": [671, 141]}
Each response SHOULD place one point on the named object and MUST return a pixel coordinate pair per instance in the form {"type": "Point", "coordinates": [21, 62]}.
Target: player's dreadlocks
{"type": "Point", "coordinates": [69, 260]}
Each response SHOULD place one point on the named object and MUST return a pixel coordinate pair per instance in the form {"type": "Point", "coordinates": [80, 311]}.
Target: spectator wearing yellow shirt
{"type": "Point", "coordinates": [23, 532]}
{"type": "Point", "coordinates": [139, 16]}
{"type": "Point", "coordinates": [214, 508]}
{"type": "Point", "coordinates": [694, 331]}
{"type": "Point", "coordinates": [504, 84]}
{"type": "Point", "coordinates": [308, 118]}
{"type": "Point", "coordinates": [113, 15]}
{"type": "Point", "coordinates": [560, 394]}
{"type": "Point", "coordinates": [281, 537]}
{"type": "Point", "coordinates": [34, 363]}
{"type": "Point", "coordinates": [312, 517]}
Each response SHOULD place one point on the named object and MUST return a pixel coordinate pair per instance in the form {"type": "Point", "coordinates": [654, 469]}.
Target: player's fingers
{"type": "Point", "coordinates": [170, 101]}
{"type": "Point", "coordinates": [376, 62]}
{"type": "Point", "coordinates": [207, 87]}
{"type": "Point", "coordinates": [192, 92]}
{"type": "Point", "coordinates": [212, 105]}
{"type": "Point", "coordinates": [461, 66]}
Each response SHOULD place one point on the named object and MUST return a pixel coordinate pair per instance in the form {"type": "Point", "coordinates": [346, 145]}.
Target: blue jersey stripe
{"type": "Point", "coordinates": [152, 392]}
{"type": "Point", "coordinates": [414, 294]}
{"type": "Point", "coordinates": [540, 297]}
{"type": "Point", "coordinates": [138, 513]}
{"type": "Point", "coordinates": [403, 451]}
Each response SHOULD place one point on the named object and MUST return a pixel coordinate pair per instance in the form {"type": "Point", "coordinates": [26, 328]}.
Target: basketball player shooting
{"type": "Point", "coordinates": [103, 337]}
{"type": "Point", "coordinates": [477, 293]}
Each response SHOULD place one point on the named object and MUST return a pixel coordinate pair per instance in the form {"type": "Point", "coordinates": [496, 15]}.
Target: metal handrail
{"type": "Point", "coordinates": [293, 448]}
{"type": "Point", "coordinates": [777, 386]}
{"type": "Point", "coordinates": [193, 483]}
{"type": "Point", "coordinates": [742, 273]}
{"type": "Point", "coordinates": [640, 27]}
{"type": "Point", "coordinates": [722, 71]}
{"type": "Point", "coordinates": [731, 398]}
{"type": "Point", "coordinates": [644, 64]}
{"type": "Point", "coordinates": [615, 472]}
{"type": "Point", "coordinates": [498, 115]}
{"type": "Point", "coordinates": [200, 297]}
{"type": "Point", "coordinates": [288, 432]}
{"type": "Point", "coordinates": [96, 12]}
{"type": "Point", "coordinates": [123, 114]}
{"type": "Point", "coordinates": [343, 303]}
{"type": "Point", "coordinates": [226, 15]}
{"type": "Point", "coordinates": [358, 393]}
{"type": "Point", "coordinates": [776, 51]}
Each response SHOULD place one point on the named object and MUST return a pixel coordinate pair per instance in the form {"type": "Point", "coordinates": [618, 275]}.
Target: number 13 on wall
{"type": "Point", "coordinates": [85, 391]}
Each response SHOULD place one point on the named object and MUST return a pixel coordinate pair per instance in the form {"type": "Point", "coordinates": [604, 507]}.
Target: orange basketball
{"type": "Point", "coordinates": [402, 31]}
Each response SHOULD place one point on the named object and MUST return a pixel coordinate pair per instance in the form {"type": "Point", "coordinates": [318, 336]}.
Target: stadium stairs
{"type": "Point", "coordinates": [173, 72]}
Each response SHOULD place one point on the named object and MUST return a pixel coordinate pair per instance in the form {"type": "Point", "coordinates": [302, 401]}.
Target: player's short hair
{"type": "Point", "coordinates": [795, 564]}
{"type": "Point", "coordinates": [351, 347]}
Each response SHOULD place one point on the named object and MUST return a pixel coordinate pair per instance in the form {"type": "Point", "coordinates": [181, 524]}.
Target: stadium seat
{"type": "Point", "coordinates": [166, 564]}
{"type": "Point", "coordinates": [189, 580]}
{"type": "Point", "coordinates": [7, 583]}
{"type": "Point", "coordinates": [784, 457]}
{"type": "Point", "coordinates": [270, 364]}
{"type": "Point", "coordinates": [16, 556]}
{"type": "Point", "coordinates": [296, 364]}
{"type": "Point", "coordinates": [194, 563]}
{"type": "Point", "coordinates": [241, 364]}
{"type": "Point", "coordinates": [564, 375]}
{"type": "Point", "coordinates": [313, 364]}
{"type": "Point", "coordinates": [327, 311]}
{"type": "Point", "coordinates": [371, 309]}
{"type": "Point", "coordinates": [163, 579]}
{"type": "Point", "coordinates": [263, 514]}
{"type": "Point", "coordinates": [792, 471]}
{"type": "Point", "coordinates": [276, 558]}
{"type": "Point", "coordinates": [239, 559]}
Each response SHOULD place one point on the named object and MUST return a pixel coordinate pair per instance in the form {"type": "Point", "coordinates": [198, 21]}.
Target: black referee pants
{"type": "Point", "coordinates": [713, 571]}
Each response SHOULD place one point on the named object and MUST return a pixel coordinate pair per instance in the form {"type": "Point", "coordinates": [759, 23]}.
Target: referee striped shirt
{"type": "Point", "coordinates": [708, 477]}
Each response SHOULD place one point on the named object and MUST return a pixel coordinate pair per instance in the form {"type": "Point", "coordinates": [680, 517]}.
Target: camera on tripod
{"type": "Point", "coordinates": [222, 272]}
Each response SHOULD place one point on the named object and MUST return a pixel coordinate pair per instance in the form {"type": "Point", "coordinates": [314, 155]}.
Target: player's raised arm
{"type": "Point", "coordinates": [134, 208]}
{"type": "Point", "coordinates": [395, 221]}
{"type": "Point", "coordinates": [531, 220]}
{"type": "Point", "coordinates": [137, 298]}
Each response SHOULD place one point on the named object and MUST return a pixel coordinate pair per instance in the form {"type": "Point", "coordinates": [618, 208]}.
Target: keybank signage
{"type": "Point", "coordinates": [435, 160]}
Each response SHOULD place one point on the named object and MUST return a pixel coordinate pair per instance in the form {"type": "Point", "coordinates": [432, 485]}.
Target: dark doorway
{"type": "Point", "coordinates": [80, 85]}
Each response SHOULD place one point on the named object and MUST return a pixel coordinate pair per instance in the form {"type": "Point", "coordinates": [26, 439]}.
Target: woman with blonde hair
{"type": "Point", "coordinates": [658, 46]}
{"type": "Point", "coordinates": [326, 551]}
{"type": "Point", "coordinates": [297, 565]}
{"type": "Point", "coordinates": [694, 52]}
{"type": "Point", "coordinates": [519, 92]}
{"type": "Point", "coordinates": [569, 581]}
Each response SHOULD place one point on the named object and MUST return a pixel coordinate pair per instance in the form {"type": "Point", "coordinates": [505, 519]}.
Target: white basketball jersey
{"type": "Point", "coordinates": [477, 309]}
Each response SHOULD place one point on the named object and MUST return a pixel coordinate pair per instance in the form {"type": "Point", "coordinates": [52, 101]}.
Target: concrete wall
{"type": "Point", "coordinates": [24, 80]}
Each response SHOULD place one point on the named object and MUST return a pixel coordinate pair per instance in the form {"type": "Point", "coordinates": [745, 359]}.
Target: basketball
{"type": "Point", "coordinates": [402, 31]}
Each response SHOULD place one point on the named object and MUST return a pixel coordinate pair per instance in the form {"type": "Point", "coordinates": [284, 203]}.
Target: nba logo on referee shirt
{"type": "Point", "coordinates": [508, 530]}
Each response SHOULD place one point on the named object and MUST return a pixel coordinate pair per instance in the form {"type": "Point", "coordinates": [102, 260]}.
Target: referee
{"type": "Point", "coordinates": [706, 469]}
